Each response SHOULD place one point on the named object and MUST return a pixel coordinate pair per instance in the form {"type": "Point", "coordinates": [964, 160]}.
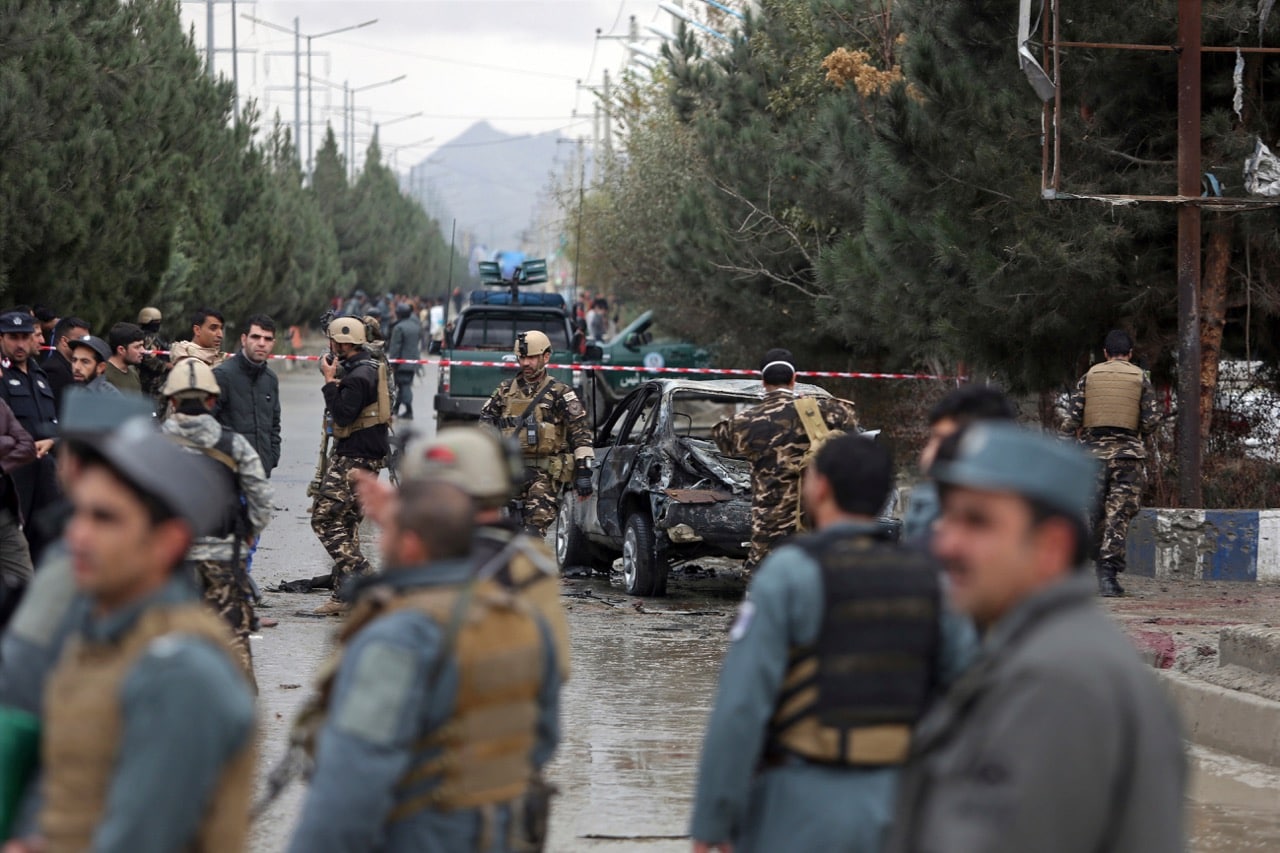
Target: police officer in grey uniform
{"type": "Point", "coordinates": [837, 651]}
{"type": "Point", "coordinates": [1058, 738]}
{"type": "Point", "coordinates": [26, 388]}
{"type": "Point", "coordinates": [147, 664]}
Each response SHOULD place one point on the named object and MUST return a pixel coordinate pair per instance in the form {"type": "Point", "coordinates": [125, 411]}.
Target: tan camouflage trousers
{"type": "Point", "coordinates": [336, 517]}
{"type": "Point", "coordinates": [226, 589]}
{"type": "Point", "coordinates": [540, 498]}
{"type": "Point", "coordinates": [1120, 485]}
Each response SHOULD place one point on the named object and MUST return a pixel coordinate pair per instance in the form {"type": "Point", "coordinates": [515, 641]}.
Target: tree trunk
{"type": "Point", "coordinates": [1213, 313]}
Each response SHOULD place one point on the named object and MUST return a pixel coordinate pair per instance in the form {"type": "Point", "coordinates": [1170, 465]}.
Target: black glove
{"type": "Point", "coordinates": [582, 478]}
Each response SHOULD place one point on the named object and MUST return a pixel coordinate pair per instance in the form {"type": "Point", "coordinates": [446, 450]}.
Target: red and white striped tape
{"type": "Point", "coordinates": [619, 368]}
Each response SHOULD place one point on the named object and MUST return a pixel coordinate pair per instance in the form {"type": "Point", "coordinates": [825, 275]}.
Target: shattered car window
{"type": "Point", "coordinates": [693, 415]}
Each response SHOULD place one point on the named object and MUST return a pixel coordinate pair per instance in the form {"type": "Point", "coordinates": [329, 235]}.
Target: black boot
{"type": "Point", "coordinates": [1108, 586]}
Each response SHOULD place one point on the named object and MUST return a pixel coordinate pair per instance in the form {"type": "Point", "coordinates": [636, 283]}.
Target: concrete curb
{"type": "Point", "coordinates": [1205, 544]}
{"type": "Point", "coordinates": [1226, 720]}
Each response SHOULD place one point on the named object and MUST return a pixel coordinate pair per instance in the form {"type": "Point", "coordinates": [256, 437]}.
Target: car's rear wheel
{"type": "Point", "coordinates": [572, 548]}
{"type": "Point", "coordinates": [644, 567]}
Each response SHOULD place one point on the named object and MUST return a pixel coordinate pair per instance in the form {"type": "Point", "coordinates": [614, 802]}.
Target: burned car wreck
{"type": "Point", "coordinates": [664, 493]}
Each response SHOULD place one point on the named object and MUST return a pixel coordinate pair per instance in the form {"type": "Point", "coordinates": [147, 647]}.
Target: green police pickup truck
{"type": "Point", "coordinates": [486, 331]}
{"type": "Point", "coordinates": [636, 345]}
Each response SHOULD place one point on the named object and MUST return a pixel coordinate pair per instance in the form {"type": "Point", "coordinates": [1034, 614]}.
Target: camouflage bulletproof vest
{"type": "Point", "coordinates": [482, 754]}
{"type": "Point", "coordinates": [1113, 395]}
{"type": "Point", "coordinates": [852, 697]}
{"type": "Point", "coordinates": [377, 412]}
{"type": "Point", "coordinates": [83, 727]}
{"type": "Point", "coordinates": [549, 437]}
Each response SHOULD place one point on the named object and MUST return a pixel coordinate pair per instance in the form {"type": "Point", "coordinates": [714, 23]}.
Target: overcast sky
{"type": "Point", "coordinates": [512, 62]}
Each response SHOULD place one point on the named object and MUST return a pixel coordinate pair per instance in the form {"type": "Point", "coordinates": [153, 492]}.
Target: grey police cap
{"type": "Point", "coordinates": [98, 345]}
{"type": "Point", "coordinates": [182, 481]}
{"type": "Point", "coordinates": [17, 323]}
{"type": "Point", "coordinates": [1004, 457]}
{"type": "Point", "coordinates": [85, 413]}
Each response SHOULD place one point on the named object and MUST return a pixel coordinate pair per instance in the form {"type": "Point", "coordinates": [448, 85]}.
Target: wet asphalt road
{"type": "Point", "coordinates": [643, 680]}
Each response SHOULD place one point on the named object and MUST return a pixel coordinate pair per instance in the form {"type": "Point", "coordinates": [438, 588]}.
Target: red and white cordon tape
{"type": "Point", "coordinates": [620, 368]}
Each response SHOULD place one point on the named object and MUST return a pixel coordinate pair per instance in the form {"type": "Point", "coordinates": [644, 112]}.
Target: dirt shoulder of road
{"type": "Point", "coordinates": [1177, 624]}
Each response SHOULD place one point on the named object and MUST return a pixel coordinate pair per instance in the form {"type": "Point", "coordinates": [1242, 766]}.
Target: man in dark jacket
{"type": "Point", "coordinates": [360, 408]}
{"type": "Point", "coordinates": [57, 363]}
{"type": "Point", "coordinates": [250, 399]}
{"type": "Point", "coordinates": [405, 343]}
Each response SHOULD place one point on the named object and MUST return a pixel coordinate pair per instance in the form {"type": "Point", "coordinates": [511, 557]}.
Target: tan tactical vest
{"type": "Point", "coordinates": [818, 433]}
{"type": "Point", "coordinates": [377, 412]}
{"type": "Point", "coordinates": [552, 438]}
{"type": "Point", "coordinates": [532, 573]}
{"type": "Point", "coordinates": [1113, 395]}
{"type": "Point", "coordinates": [483, 754]}
{"type": "Point", "coordinates": [83, 727]}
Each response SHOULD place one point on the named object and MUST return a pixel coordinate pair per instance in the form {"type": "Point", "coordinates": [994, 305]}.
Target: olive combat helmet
{"type": "Point", "coordinates": [475, 459]}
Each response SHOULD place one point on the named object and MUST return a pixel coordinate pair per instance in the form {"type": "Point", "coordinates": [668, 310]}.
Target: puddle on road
{"type": "Point", "coordinates": [633, 715]}
{"type": "Point", "coordinates": [1234, 804]}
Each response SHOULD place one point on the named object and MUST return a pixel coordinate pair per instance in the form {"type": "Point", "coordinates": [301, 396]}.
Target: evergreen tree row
{"type": "Point", "coordinates": [859, 180]}
{"type": "Point", "coordinates": [126, 180]}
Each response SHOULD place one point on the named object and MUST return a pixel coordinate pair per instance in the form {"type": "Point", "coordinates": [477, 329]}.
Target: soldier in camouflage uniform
{"type": "Point", "coordinates": [152, 370]}
{"type": "Point", "coordinates": [360, 408]}
{"type": "Point", "coordinates": [773, 438]}
{"type": "Point", "coordinates": [554, 437]}
{"type": "Point", "coordinates": [1112, 408]}
{"type": "Point", "coordinates": [218, 560]}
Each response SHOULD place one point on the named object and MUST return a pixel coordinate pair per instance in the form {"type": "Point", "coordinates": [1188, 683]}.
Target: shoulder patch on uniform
{"type": "Point", "coordinates": [746, 612]}
{"type": "Point", "coordinates": [379, 689]}
{"type": "Point", "coordinates": [571, 396]}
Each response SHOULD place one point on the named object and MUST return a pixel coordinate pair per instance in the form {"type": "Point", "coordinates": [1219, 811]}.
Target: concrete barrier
{"type": "Point", "coordinates": [1205, 544]}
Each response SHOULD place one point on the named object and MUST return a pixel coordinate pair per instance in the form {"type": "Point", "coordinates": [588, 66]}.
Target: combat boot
{"type": "Point", "coordinates": [1108, 586]}
{"type": "Point", "coordinates": [332, 607]}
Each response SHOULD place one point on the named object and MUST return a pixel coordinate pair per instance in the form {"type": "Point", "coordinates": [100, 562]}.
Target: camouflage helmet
{"type": "Point", "coordinates": [149, 315]}
{"type": "Point", "coordinates": [532, 343]}
{"type": "Point", "coordinates": [347, 330]}
{"type": "Point", "coordinates": [190, 377]}
{"type": "Point", "coordinates": [476, 459]}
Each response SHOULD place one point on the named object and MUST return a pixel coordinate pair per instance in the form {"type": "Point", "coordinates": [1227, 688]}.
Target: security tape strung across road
{"type": "Point", "coordinates": [619, 368]}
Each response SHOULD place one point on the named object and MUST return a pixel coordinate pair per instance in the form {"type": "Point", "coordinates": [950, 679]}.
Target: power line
{"type": "Point", "coordinates": [507, 69]}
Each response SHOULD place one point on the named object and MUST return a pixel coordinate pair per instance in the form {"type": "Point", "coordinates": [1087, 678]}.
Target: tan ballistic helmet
{"type": "Point", "coordinates": [347, 330]}
{"type": "Point", "coordinates": [475, 459]}
{"type": "Point", "coordinates": [148, 315]}
{"type": "Point", "coordinates": [532, 343]}
{"type": "Point", "coordinates": [190, 375]}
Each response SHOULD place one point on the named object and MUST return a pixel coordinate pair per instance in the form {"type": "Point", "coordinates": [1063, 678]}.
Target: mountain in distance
{"type": "Point", "coordinates": [490, 181]}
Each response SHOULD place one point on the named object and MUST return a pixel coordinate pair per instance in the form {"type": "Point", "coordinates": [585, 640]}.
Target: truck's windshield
{"type": "Point", "coordinates": [497, 330]}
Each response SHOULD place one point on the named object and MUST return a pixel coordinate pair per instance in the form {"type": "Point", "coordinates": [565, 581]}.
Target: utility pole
{"type": "Point", "coordinates": [208, 59]}
{"type": "Point", "coordinates": [297, 87]}
{"type": "Point", "coordinates": [235, 60]}
{"type": "Point", "coordinates": [1189, 379]}
{"type": "Point", "coordinates": [608, 115]}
